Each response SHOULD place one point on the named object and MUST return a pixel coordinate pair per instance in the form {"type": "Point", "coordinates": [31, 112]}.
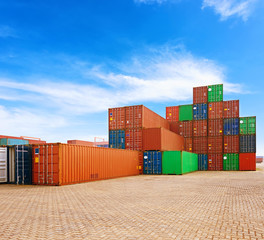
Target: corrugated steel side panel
{"type": "Point", "coordinates": [231, 126]}
{"type": "Point", "coordinates": [231, 144]}
{"type": "Point", "coordinates": [247, 143]}
{"type": "Point", "coordinates": [140, 165]}
{"type": "Point", "coordinates": [247, 161]}
{"type": "Point", "coordinates": [215, 127]}
{"type": "Point", "coordinates": [117, 139]}
{"type": "Point", "coordinates": [175, 127]}
{"type": "Point", "coordinates": [79, 142]}
{"type": "Point", "coordinates": [189, 162]}
{"type": "Point", "coordinates": [61, 164]}
{"type": "Point", "coordinates": [215, 162]}
{"type": "Point", "coordinates": [171, 162]}
{"type": "Point", "coordinates": [215, 110]}
{"type": "Point", "coordinates": [161, 139]}
{"type": "Point", "coordinates": [13, 141]}
{"type": "Point", "coordinates": [3, 165]}
{"type": "Point", "coordinates": [202, 162]}
{"type": "Point", "coordinates": [116, 117]}
{"type": "Point", "coordinates": [200, 111]}
{"type": "Point", "coordinates": [215, 93]}
{"type": "Point", "coordinates": [185, 128]}
{"type": "Point", "coordinates": [231, 109]}
{"type": "Point", "coordinates": [215, 145]}
{"type": "Point", "coordinates": [152, 162]}
{"type": "Point", "coordinates": [200, 94]}
{"type": "Point", "coordinates": [134, 139]}
{"type": "Point", "coordinates": [172, 113]}
{"type": "Point", "coordinates": [188, 144]}
{"type": "Point", "coordinates": [200, 128]}
{"type": "Point", "coordinates": [200, 145]}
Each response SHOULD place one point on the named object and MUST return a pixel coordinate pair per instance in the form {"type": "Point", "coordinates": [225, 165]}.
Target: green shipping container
{"type": "Point", "coordinates": [186, 112]}
{"type": "Point", "coordinates": [231, 162]}
{"type": "Point", "coordinates": [247, 125]}
{"type": "Point", "coordinates": [179, 162]}
{"type": "Point", "coordinates": [215, 93]}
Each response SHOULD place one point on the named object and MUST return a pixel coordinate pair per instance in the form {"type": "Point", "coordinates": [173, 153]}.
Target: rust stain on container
{"type": "Point", "coordinates": [161, 139]}
{"type": "Point", "coordinates": [61, 164]}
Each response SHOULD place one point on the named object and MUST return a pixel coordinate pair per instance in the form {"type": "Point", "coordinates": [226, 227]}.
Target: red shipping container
{"type": "Point", "coordinates": [215, 110]}
{"type": "Point", "coordinates": [185, 128]}
{"type": "Point", "coordinates": [247, 161]}
{"type": "Point", "coordinates": [175, 127]}
{"type": "Point", "coordinates": [231, 109]}
{"type": "Point", "coordinates": [140, 164]}
{"type": "Point", "coordinates": [161, 139]}
{"type": "Point", "coordinates": [200, 128]}
{"type": "Point", "coordinates": [215, 145]}
{"type": "Point", "coordinates": [116, 118]}
{"type": "Point", "coordinates": [61, 164]}
{"type": "Point", "coordinates": [172, 113]}
{"type": "Point", "coordinates": [200, 95]}
{"type": "Point", "coordinates": [188, 142]}
{"type": "Point", "coordinates": [215, 162]}
{"type": "Point", "coordinates": [134, 139]}
{"type": "Point", "coordinates": [80, 142]}
{"type": "Point", "coordinates": [231, 144]}
{"type": "Point", "coordinates": [215, 127]}
{"type": "Point", "coordinates": [200, 145]}
{"type": "Point", "coordinates": [141, 117]}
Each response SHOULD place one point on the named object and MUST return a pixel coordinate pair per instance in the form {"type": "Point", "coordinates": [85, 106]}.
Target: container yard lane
{"type": "Point", "coordinates": [199, 205]}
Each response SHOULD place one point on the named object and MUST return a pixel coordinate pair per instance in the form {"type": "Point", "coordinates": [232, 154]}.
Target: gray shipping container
{"type": "Point", "coordinates": [247, 143]}
{"type": "Point", "coordinates": [3, 164]}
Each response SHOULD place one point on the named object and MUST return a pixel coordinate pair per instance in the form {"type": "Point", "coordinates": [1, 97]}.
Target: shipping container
{"type": "Point", "coordinates": [231, 144]}
{"type": "Point", "coordinates": [215, 110]}
{"type": "Point", "coordinates": [140, 164]}
{"type": "Point", "coordinates": [231, 126]}
{"type": "Point", "coordinates": [231, 109]}
{"type": "Point", "coordinates": [152, 162]}
{"type": "Point", "coordinates": [185, 128]}
{"type": "Point", "coordinates": [188, 144]}
{"type": "Point", "coordinates": [140, 116]}
{"type": "Point", "coordinates": [200, 111]}
{"type": "Point", "coordinates": [215, 93]}
{"type": "Point", "coordinates": [161, 139]}
{"type": "Point", "coordinates": [200, 145]}
{"type": "Point", "coordinates": [186, 112]}
{"type": "Point", "coordinates": [116, 118]}
{"type": "Point", "coordinates": [134, 139]}
{"type": "Point", "coordinates": [62, 164]}
{"type": "Point", "coordinates": [200, 95]}
{"type": "Point", "coordinates": [215, 145]}
{"type": "Point", "coordinates": [247, 161]}
{"type": "Point", "coordinates": [172, 114]}
{"type": "Point", "coordinates": [247, 125]}
{"type": "Point", "coordinates": [20, 164]}
{"type": "Point", "coordinates": [215, 162]}
{"type": "Point", "coordinates": [117, 139]}
{"type": "Point", "coordinates": [12, 141]}
{"type": "Point", "coordinates": [202, 162]}
{"type": "Point", "coordinates": [3, 165]}
{"type": "Point", "coordinates": [175, 127]}
{"type": "Point", "coordinates": [231, 162]}
{"type": "Point", "coordinates": [259, 159]}
{"type": "Point", "coordinates": [81, 142]}
{"type": "Point", "coordinates": [215, 127]}
{"type": "Point", "coordinates": [179, 162]}
{"type": "Point", "coordinates": [200, 128]}
{"type": "Point", "coordinates": [247, 143]}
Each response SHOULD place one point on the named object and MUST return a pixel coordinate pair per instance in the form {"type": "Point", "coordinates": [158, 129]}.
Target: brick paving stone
{"type": "Point", "coordinates": [200, 205]}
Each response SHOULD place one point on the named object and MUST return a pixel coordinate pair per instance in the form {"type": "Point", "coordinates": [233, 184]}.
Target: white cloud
{"type": "Point", "coordinates": [228, 8]}
{"type": "Point", "coordinates": [6, 31]}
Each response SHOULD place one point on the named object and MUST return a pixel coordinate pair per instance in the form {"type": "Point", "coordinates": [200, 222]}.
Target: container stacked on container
{"type": "Point", "coordinates": [126, 126]}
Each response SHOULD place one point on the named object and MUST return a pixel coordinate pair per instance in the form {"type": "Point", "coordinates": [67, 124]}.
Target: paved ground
{"type": "Point", "coordinates": [200, 205]}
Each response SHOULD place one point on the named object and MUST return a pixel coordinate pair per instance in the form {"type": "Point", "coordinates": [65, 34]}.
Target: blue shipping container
{"type": "Point", "coordinates": [12, 141]}
{"type": "Point", "coordinates": [152, 162]}
{"type": "Point", "coordinates": [117, 139]}
{"type": "Point", "coordinates": [202, 162]}
{"type": "Point", "coordinates": [20, 164]}
{"type": "Point", "coordinates": [200, 111]}
{"type": "Point", "coordinates": [231, 126]}
{"type": "Point", "coordinates": [247, 143]}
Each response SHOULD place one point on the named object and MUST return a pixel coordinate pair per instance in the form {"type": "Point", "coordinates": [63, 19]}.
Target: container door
{"type": "Point", "coordinates": [3, 165]}
{"type": "Point", "coordinates": [11, 165]}
{"type": "Point", "coordinates": [145, 163]}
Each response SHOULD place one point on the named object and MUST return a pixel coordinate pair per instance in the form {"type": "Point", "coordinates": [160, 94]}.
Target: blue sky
{"type": "Point", "coordinates": [64, 63]}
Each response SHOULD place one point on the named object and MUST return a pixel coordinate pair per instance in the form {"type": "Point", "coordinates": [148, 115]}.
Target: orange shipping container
{"type": "Point", "coordinates": [175, 127]}
{"type": "Point", "coordinates": [80, 142]}
{"type": "Point", "coordinates": [116, 117]}
{"type": "Point", "coordinates": [61, 164]}
{"type": "Point", "coordinates": [161, 139]}
{"type": "Point", "coordinates": [188, 144]}
{"type": "Point", "coordinates": [140, 116]}
{"type": "Point", "coordinates": [134, 139]}
{"type": "Point", "coordinates": [172, 113]}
